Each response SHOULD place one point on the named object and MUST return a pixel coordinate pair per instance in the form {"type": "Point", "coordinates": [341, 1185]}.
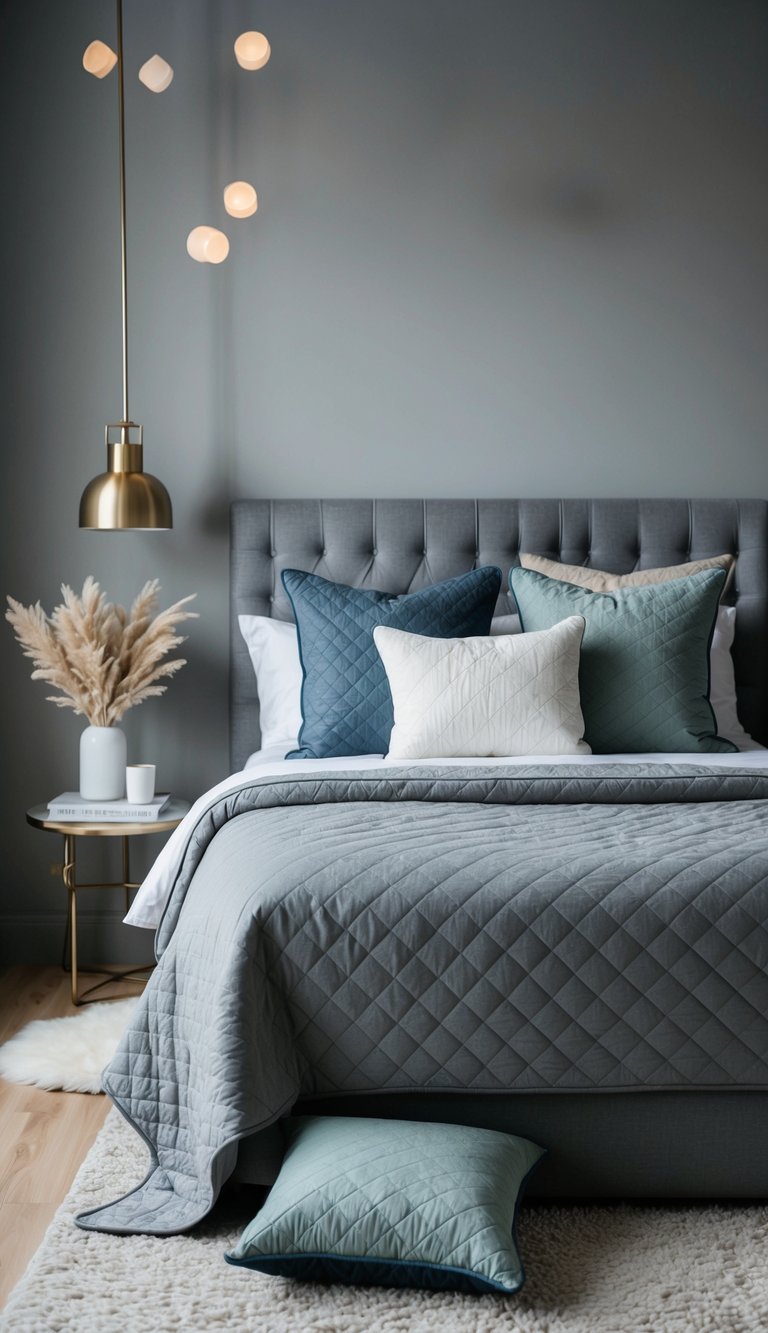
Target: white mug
{"type": "Point", "coordinates": [140, 783]}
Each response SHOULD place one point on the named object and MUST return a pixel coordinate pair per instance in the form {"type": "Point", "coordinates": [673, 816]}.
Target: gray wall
{"type": "Point", "coordinates": [517, 247]}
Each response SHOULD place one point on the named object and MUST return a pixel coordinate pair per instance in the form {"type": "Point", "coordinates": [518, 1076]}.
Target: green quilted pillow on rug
{"type": "Point", "coordinates": [644, 667]}
{"type": "Point", "coordinates": [394, 1203]}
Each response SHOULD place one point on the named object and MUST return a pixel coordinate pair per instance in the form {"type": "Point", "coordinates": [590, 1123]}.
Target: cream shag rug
{"type": "Point", "coordinates": [620, 1269]}
{"type": "Point", "coordinates": [68, 1053]}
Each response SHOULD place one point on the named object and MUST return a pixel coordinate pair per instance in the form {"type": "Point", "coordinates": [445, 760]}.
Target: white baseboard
{"type": "Point", "coordinates": [37, 937]}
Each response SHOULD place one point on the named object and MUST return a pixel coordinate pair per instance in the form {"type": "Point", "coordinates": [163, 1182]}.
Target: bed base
{"type": "Point", "coordinates": [671, 1145]}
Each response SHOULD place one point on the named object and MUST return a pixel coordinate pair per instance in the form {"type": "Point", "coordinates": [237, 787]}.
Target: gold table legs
{"type": "Point", "coordinates": [69, 877]}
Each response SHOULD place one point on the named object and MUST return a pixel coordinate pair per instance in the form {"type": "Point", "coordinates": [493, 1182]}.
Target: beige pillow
{"type": "Point", "coordinates": [599, 580]}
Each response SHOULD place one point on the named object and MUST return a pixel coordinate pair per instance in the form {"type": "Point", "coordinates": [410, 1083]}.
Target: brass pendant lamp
{"type": "Point", "coordinates": [125, 497]}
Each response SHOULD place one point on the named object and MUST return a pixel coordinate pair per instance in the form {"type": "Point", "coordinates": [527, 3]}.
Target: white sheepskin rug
{"type": "Point", "coordinates": [67, 1053]}
{"type": "Point", "coordinates": [600, 1269]}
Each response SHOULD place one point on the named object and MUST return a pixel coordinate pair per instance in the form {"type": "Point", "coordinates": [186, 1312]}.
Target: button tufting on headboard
{"type": "Point", "coordinates": [402, 545]}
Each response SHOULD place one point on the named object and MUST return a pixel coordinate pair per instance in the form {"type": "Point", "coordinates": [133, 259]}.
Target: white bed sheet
{"type": "Point", "coordinates": [149, 903]}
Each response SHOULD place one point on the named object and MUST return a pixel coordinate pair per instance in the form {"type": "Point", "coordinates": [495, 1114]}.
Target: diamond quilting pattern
{"type": "Point", "coordinates": [445, 933]}
{"type": "Point", "coordinates": [396, 1192]}
{"type": "Point", "coordinates": [346, 703]}
{"type": "Point", "coordinates": [644, 662]}
{"type": "Point", "coordinates": [508, 695]}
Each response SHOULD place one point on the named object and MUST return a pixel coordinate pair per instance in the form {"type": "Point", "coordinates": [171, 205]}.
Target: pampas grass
{"type": "Point", "coordinates": [101, 658]}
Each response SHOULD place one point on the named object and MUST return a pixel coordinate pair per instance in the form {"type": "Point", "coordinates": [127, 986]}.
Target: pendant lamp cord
{"type": "Point", "coordinates": [123, 250]}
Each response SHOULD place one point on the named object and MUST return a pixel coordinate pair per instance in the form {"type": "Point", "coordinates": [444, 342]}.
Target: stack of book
{"type": "Point", "coordinates": [72, 808]}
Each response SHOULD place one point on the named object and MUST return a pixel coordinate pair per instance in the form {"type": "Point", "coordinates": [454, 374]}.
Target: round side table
{"type": "Point", "coordinates": [170, 817]}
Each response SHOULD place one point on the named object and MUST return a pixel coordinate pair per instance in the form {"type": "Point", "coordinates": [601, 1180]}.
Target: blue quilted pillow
{"type": "Point", "coordinates": [393, 1203]}
{"type": "Point", "coordinates": [346, 705]}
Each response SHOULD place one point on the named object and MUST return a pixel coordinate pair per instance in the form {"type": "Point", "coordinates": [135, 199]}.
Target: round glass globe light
{"type": "Point", "coordinates": [156, 74]}
{"type": "Point", "coordinates": [252, 50]}
{"type": "Point", "coordinates": [99, 59]}
{"type": "Point", "coordinates": [240, 200]}
{"type": "Point", "coordinates": [207, 245]}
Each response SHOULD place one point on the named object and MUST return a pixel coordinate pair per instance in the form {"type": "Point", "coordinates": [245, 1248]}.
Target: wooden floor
{"type": "Point", "coordinates": [44, 1136]}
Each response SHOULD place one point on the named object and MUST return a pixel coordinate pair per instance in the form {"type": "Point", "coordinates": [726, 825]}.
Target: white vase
{"type": "Point", "coordinates": [103, 755]}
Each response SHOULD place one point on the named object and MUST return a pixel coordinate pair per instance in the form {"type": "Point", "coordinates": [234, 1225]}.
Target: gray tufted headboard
{"type": "Point", "coordinates": [398, 545]}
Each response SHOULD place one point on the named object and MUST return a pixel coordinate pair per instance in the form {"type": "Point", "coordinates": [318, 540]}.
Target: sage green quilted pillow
{"type": "Point", "coordinates": [395, 1203]}
{"type": "Point", "coordinates": [644, 669]}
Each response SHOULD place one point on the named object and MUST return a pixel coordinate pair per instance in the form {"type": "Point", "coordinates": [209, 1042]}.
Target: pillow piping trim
{"type": "Point", "coordinates": [296, 753]}
{"type": "Point", "coordinates": [256, 1264]}
{"type": "Point", "coordinates": [735, 749]}
{"type": "Point", "coordinates": [402, 1264]}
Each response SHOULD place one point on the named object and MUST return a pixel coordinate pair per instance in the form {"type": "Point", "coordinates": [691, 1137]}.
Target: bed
{"type": "Point", "coordinates": [613, 1008]}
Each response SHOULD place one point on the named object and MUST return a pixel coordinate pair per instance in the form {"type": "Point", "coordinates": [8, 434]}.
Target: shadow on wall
{"type": "Point", "coordinates": [212, 515]}
{"type": "Point", "coordinates": [573, 204]}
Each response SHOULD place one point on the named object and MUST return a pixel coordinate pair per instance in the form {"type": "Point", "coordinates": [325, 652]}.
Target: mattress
{"type": "Point", "coordinates": [365, 929]}
{"type": "Point", "coordinates": [148, 905]}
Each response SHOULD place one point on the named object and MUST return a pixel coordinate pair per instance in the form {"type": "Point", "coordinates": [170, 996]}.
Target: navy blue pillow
{"type": "Point", "coordinates": [346, 705]}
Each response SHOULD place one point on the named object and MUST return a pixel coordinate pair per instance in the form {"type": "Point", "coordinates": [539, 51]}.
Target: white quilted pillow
{"type": "Point", "coordinates": [509, 695]}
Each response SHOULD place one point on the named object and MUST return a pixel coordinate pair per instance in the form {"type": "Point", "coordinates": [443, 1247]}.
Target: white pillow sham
{"type": "Point", "coordinates": [273, 647]}
{"type": "Point", "coordinates": [722, 681]}
{"type": "Point", "coordinates": [274, 651]}
{"type": "Point", "coordinates": [507, 695]}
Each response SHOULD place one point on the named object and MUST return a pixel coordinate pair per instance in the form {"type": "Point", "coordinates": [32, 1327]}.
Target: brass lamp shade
{"type": "Point", "coordinates": [125, 497]}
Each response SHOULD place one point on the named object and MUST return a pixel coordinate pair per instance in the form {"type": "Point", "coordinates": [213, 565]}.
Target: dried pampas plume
{"type": "Point", "coordinates": [101, 658]}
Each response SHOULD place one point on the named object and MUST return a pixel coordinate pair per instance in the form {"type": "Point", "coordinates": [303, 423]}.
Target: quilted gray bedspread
{"type": "Point", "coordinates": [444, 930]}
